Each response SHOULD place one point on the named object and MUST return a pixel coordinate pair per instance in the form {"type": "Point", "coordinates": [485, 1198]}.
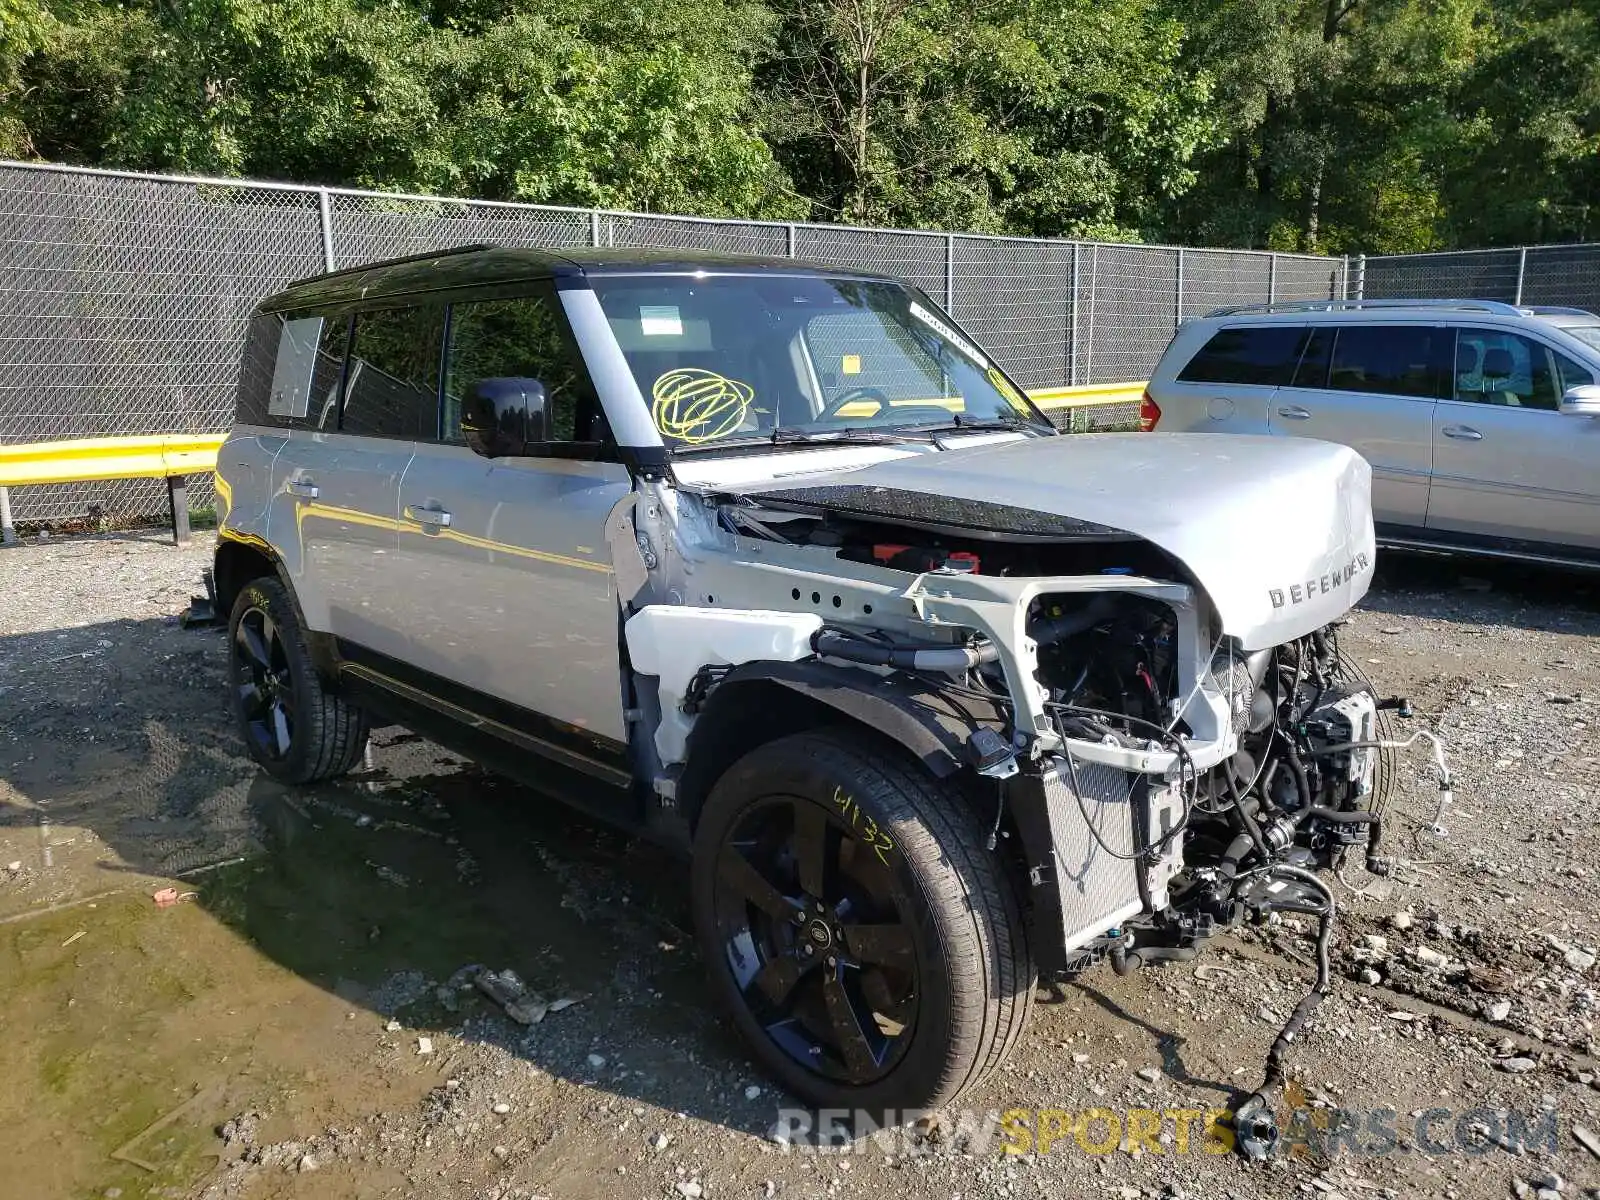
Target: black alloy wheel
{"type": "Point", "coordinates": [812, 931]}
{"type": "Point", "coordinates": [864, 940]}
{"type": "Point", "coordinates": [266, 686]}
{"type": "Point", "coordinates": [296, 726]}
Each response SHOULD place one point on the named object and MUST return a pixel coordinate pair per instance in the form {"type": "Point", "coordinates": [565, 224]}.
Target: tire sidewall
{"type": "Point", "coordinates": [270, 596]}
{"type": "Point", "coordinates": [803, 767]}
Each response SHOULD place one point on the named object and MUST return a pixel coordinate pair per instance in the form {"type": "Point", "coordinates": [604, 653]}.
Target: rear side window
{"type": "Point", "coordinates": [1396, 360]}
{"type": "Point", "coordinates": [391, 386]}
{"type": "Point", "coordinates": [1263, 355]}
{"type": "Point", "coordinates": [289, 375]}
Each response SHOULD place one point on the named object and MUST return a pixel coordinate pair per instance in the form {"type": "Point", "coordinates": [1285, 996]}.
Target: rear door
{"type": "Point", "coordinates": [340, 476]}
{"type": "Point", "coordinates": [1229, 384]}
{"type": "Point", "coordinates": [1372, 388]}
{"type": "Point", "coordinates": [1506, 463]}
{"type": "Point", "coordinates": [508, 576]}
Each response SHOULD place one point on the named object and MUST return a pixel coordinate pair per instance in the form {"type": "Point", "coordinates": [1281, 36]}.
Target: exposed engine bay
{"type": "Point", "coordinates": [1160, 765]}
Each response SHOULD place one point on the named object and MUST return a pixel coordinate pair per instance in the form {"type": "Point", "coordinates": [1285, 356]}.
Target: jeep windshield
{"type": "Point", "coordinates": [741, 360]}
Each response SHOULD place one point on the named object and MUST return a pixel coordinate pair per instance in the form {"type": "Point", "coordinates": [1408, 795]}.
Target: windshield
{"type": "Point", "coordinates": [1589, 335]}
{"type": "Point", "coordinates": [731, 359]}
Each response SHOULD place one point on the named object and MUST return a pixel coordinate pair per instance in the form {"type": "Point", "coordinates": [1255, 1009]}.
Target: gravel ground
{"type": "Point", "coordinates": [305, 1022]}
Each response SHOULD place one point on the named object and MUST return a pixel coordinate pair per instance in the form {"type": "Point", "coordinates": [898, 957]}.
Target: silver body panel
{"type": "Point", "coordinates": [1515, 473]}
{"type": "Point", "coordinates": [333, 517]}
{"type": "Point", "coordinates": [515, 597]}
{"type": "Point", "coordinates": [1278, 534]}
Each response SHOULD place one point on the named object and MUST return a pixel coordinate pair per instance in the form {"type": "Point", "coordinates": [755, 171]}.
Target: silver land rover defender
{"type": "Point", "coordinates": [781, 567]}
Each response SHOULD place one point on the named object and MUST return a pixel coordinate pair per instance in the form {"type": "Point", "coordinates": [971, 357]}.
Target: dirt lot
{"type": "Point", "coordinates": [289, 1028]}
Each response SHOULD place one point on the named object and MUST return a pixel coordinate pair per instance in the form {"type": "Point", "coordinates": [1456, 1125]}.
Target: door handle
{"type": "Point", "coordinates": [1293, 412]}
{"type": "Point", "coordinates": [1464, 433]}
{"type": "Point", "coordinates": [301, 487]}
{"type": "Point", "coordinates": [433, 518]}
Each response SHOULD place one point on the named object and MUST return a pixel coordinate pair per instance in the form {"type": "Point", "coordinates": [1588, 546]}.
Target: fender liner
{"type": "Point", "coordinates": [760, 701]}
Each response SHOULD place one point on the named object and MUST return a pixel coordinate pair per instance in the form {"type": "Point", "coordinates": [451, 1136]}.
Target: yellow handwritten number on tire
{"type": "Point", "coordinates": [693, 405]}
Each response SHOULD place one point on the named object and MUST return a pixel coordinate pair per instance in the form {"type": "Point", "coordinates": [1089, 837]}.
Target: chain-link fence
{"type": "Point", "coordinates": [1556, 275]}
{"type": "Point", "coordinates": [123, 297]}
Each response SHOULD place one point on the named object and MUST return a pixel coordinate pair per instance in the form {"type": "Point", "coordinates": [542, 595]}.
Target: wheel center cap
{"type": "Point", "coordinates": [819, 933]}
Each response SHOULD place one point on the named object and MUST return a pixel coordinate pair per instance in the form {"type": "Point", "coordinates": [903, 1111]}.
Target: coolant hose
{"type": "Point", "coordinates": [907, 656]}
{"type": "Point", "coordinates": [1053, 629]}
{"type": "Point", "coordinates": [1126, 962]}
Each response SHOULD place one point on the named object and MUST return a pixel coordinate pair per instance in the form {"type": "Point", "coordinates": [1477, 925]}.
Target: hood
{"type": "Point", "coordinates": [1277, 531]}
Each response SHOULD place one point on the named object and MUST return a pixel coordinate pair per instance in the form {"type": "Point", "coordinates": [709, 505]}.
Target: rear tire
{"type": "Point", "coordinates": [865, 942]}
{"type": "Point", "coordinates": [294, 728]}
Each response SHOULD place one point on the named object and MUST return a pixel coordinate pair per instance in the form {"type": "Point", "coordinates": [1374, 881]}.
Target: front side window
{"type": "Point", "coordinates": [521, 338]}
{"type": "Point", "coordinates": [724, 359]}
{"type": "Point", "coordinates": [1395, 360]}
{"type": "Point", "coordinates": [1494, 366]}
{"type": "Point", "coordinates": [1312, 371]}
{"type": "Point", "coordinates": [1571, 374]}
{"type": "Point", "coordinates": [391, 386]}
{"type": "Point", "coordinates": [1265, 355]}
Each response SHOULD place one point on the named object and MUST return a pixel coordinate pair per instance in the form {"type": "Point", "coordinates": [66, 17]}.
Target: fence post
{"type": "Point", "coordinates": [1072, 325]}
{"type": "Point", "coordinates": [594, 228]}
{"type": "Point", "coordinates": [8, 531]}
{"type": "Point", "coordinates": [789, 238]}
{"type": "Point", "coordinates": [1088, 348]}
{"type": "Point", "coordinates": [1272, 279]}
{"type": "Point", "coordinates": [325, 213]}
{"type": "Point", "coordinates": [1522, 269]}
{"type": "Point", "coordinates": [1361, 278]}
{"type": "Point", "coordinates": [1177, 302]}
{"type": "Point", "coordinates": [949, 272]}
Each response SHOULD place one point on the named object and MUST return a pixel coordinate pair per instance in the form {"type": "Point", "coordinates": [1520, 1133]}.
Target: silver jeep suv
{"type": "Point", "coordinates": [1481, 420]}
{"type": "Point", "coordinates": [774, 563]}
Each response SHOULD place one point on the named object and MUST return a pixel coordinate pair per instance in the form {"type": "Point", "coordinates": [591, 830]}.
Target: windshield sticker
{"type": "Point", "coordinates": [850, 364]}
{"type": "Point", "coordinates": [660, 320]}
{"type": "Point", "coordinates": [693, 406]}
{"type": "Point", "coordinates": [948, 334]}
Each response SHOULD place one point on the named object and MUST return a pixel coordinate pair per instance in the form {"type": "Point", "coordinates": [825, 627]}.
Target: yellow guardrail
{"type": "Point", "coordinates": [1087, 395]}
{"type": "Point", "coordinates": [169, 456]}
{"type": "Point", "coordinates": [82, 460]}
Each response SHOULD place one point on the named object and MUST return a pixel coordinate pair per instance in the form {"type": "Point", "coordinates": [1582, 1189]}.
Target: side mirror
{"type": "Point", "coordinates": [1582, 401]}
{"type": "Point", "coordinates": [501, 418]}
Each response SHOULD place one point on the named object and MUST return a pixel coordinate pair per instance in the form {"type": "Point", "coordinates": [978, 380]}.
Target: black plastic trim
{"type": "Point", "coordinates": [534, 732]}
{"type": "Point", "coordinates": [1447, 541]}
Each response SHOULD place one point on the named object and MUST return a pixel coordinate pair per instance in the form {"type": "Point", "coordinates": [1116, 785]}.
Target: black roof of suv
{"type": "Point", "coordinates": [479, 265]}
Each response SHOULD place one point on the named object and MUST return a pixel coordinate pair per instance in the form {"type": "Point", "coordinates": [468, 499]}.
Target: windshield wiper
{"type": "Point", "coordinates": [966, 424]}
{"type": "Point", "coordinates": [790, 435]}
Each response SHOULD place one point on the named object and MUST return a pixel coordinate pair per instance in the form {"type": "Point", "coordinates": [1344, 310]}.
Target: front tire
{"type": "Point", "coordinates": [294, 728]}
{"type": "Point", "coordinates": [865, 942]}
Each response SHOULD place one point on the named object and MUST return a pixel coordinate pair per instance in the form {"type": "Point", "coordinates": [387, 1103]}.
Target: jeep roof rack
{"type": "Point", "coordinates": [390, 262]}
{"type": "Point", "coordinates": [1499, 307]}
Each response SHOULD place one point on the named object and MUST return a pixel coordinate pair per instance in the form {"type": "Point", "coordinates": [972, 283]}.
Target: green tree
{"type": "Point", "coordinates": [1030, 116]}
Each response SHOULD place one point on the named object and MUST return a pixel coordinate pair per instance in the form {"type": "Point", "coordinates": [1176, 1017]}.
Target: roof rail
{"type": "Point", "coordinates": [1560, 310]}
{"type": "Point", "coordinates": [1491, 306]}
{"type": "Point", "coordinates": [390, 262]}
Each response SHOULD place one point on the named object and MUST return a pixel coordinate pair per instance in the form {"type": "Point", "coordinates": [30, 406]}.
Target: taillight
{"type": "Point", "coordinates": [1149, 413]}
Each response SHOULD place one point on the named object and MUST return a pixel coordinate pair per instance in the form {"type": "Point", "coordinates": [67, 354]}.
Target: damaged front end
{"type": "Point", "coordinates": [1146, 699]}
